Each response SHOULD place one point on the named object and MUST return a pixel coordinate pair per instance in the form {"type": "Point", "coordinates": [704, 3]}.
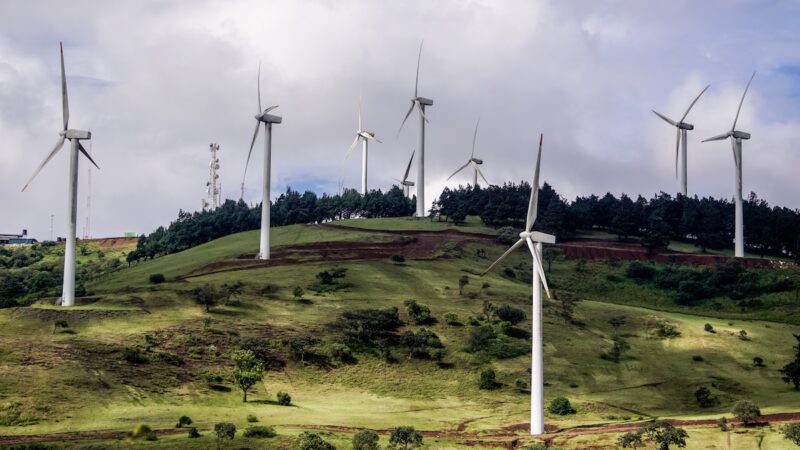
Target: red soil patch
{"type": "Point", "coordinates": [113, 243]}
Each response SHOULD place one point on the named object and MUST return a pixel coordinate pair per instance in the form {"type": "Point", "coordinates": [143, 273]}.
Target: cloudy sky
{"type": "Point", "coordinates": [156, 82]}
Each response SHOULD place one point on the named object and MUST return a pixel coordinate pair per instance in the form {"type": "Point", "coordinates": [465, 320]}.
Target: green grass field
{"type": "Point", "coordinates": [53, 381]}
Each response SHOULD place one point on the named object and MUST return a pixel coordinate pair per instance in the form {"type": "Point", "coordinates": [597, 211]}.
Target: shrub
{"type": "Point", "coordinates": [791, 432]}
{"type": "Point", "coordinates": [485, 285]}
{"type": "Point", "coordinates": [640, 271]}
{"type": "Point", "coordinates": [212, 377]}
{"type": "Point", "coordinates": [259, 431]}
{"type": "Point", "coordinates": [311, 441]}
{"type": "Point", "coordinates": [743, 335]}
{"type": "Point", "coordinates": [284, 399]}
{"type": "Point", "coordinates": [157, 278]}
{"type": "Point", "coordinates": [151, 436]}
{"type": "Point", "coordinates": [183, 421]}
{"type": "Point", "coordinates": [708, 328]}
{"type": "Point", "coordinates": [298, 293]}
{"type": "Point", "coordinates": [746, 411]}
{"type": "Point", "coordinates": [480, 337]}
{"type": "Point", "coordinates": [617, 350]}
{"type": "Point", "coordinates": [251, 418]}
{"type": "Point", "coordinates": [341, 353]}
{"type": "Point", "coordinates": [758, 361]}
{"type": "Point", "coordinates": [224, 430]}
{"type": "Point", "coordinates": [631, 439]}
{"type": "Point", "coordinates": [418, 312]}
{"type": "Point", "coordinates": [511, 314]}
{"type": "Point", "coordinates": [368, 326]}
{"type": "Point", "coordinates": [509, 273]}
{"type": "Point", "coordinates": [366, 440]}
{"type": "Point", "coordinates": [134, 355]}
{"type": "Point", "coordinates": [398, 258]}
{"type": "Point", "coordinates": [666, 330]}
{"type": "Point", "coordinates": [704, 397]}
{"type": "Point", "coordinates": [521, 385]}
{"type": "Point", "coordinates": [60, 324]}
{"type": "Point", "coordinates": [723, 423]}
{"type": "Point", "coordinates": [561, 406]}
{"type": "Point", "coordinates": [451, 319]}
{"type": "Point", "coordinates": [488, 380]}
{"type": "Point", "coordinates": [697, 358]}
{"type": "Point", "coordinates": [193, 433]}
{"type": "Point", "coordinates": [507, 235]}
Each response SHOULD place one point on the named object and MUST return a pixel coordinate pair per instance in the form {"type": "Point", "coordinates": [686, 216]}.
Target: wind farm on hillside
{"type": "Point", "coordinates": [395, 315]}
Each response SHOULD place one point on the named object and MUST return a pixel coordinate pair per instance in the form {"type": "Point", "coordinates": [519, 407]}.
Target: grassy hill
{"type": "Point", "coordinates": [81, 378]}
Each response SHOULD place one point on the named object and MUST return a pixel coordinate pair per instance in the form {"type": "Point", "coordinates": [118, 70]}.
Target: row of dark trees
{"type": "Point", "coordinates": [292, 207]}
{"type": "Point", "coordinates": [706, 222]}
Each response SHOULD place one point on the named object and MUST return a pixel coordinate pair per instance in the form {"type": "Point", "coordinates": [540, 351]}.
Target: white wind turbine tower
{"type": "Point", "coordinates": [75, 137]}
{"type": "Point", "coordinates": [473, 161]}
{"type": "Point", "coordinates": [736, 137]}
{"type": "Point", "coordinates": [680, 138]}
{"type": "Point", "coordinates": [267, 119]}
{"type": "Point", "coordinates": [366, 136]}
{"type": "Point", "coordinates": [534, 240]}
{"type": "Point", "coordinates": [404, 182]}
{"type": "Point", "coordinates": [420, 103]}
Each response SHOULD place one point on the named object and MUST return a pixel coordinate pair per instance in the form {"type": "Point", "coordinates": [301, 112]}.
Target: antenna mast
{"type": "Point", "coordinates": [213, 188]}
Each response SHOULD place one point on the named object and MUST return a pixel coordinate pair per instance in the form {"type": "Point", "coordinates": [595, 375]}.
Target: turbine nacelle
{"type": "Point", "coordinates": [536, 236]}
{"type": "Point", "coordinates": [685, 126]}
{"type": "Point", "coordinates": [736, 134]}
{"type": "Point", "coordinates": [268, 118]}
{"type": "Point", "coordinates": [476, 160]}
{"type": "Point", "coordinates": [76, 134]}
{"type": "Point", "coordinates": [367, 135]}
{"type": "Point", "coordinates": [423, 101]}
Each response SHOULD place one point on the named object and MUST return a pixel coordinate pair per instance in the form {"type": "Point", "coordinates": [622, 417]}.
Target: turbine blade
{"type": "Point", "coordinates": [475, 138]}
{"type": "Point", "coordinates": [270, 109]}
{"type": "Point", "coordinates": [352, 146]}
{"type": "Point", "coordinates": [419, 58]}
{"type": "Point", "coordinates": [64, 100]}
{"type": "Point", "coordinates": [481, 174]}
{"type": "Point", "coordinates": [666, 119]}
{"type": "Point", "coordinates": [718, 137]}
{"type": "Point", "coordinates": [373, 138]}
{"type": "Point", "coordinates": [458, 170]}
{"type": "Point", "coordinates": [406, 118]}
{"type": "Point", "coordinates": [405, 177]}
{"type": "Point", "coordinates": [421, 112]}
{"type": "Point", "coordinates": [511, 249]}
{"type": "Point", "coordinates": [677, 146]}
{"type": "Point", "coordinates": [55, 150]}
{"type": "Point", "coordinates": [533, 204]}
{"type": "Point", "coordinates": [537, 265]}
{"type": "Point", "coordinates": [259, 87]}
{"type": "Point", "coordinates": [742, 101]}
{"type": "Point", "coordinates": [86, 154]}
{"type": "Point", "coordinates": [693, 102]}
{"type": "Point", "coordinates": [255, 135]}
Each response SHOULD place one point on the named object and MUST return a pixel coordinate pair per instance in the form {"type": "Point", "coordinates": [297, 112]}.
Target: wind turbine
{"type": "Point", "coordinates": [680, 138]}
{"type": "Point", "coordinates": [473, 161]}
{"type": "Point", "coordinates": [75, 137]}
{"type": "Point", "coordinates": [736, 137]}
{"type": "Point", "coordinates": [404, 182]}
{"type": "Point", "coordinates": [267, 119]}
{"type": "Point", "coordinates": [534, 239]}
{"type": "Point", "coordinates": [420, 103]}
{"type": "Point", "coordinates": [366, 136]}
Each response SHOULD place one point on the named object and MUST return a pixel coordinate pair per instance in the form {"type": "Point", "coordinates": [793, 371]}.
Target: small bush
{"type": "Point", "coordinates": [758, 361]}
{"type": "Point", "coordinates": [561, 406]}
{"type": "Point", "coordinates": [157, 278]}
{"type": "Point", "coordinates": [418, 312]}
{"type": "Point", "coordinates": [366, 440]}
{"type": "Point", "coordinates": [708, 328]}
{"type": "Point", "coordinates": [521, 385]}
{"type": "Point", "coordinates": [488, 380]}
{"type": "Point", "coordinates": [451, 319]}
{"type": "Point", "coordinates": [398, 258]}
{"type": "Point", "coordinates": [183, 421]}
{"type": "Point", "coordinates": [193, 433]}
{"type": "Point", "coordinates": [640, 271]}
{"type": "Point", "coordinates": [341, 353]}
{"type": "Point", "coordinates": [723, 423]}
{"type": "Point", "coordinates": [151, 436]}
{"type": "Point", "coordinates": [260, 431]}
{"type": "Point", "coordinates": [251, 418]}
{"type": "Point", "coordinates": [743, 335]}
{"type": "Point", "coordinates": [697, 358]}
{"type": "Point", "coordinates": [511, 314]}
{"type": "Point", "coordinates": [704, 397]}
{"type": "Point", "coordinates": [134, 355]}
{"type": "Point", "coordinates": [509, 273]}
{"type": "Point", "coordinates": [224, 430]}
{"type": "Point", "coordinates": [312, 441]}
{"type": "Point", "coordinates": [212, 377]}
{"type": "Point", "coordinates": [284, 399]}
{"type": "Point", "coordinates": [667, 330]}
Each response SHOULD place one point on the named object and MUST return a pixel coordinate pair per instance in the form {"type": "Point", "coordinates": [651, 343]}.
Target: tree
{"type": "Point", "coordinates": [463, 281]}
{"type": "Point", "coordinates": [248, 370]}
{"type": "Point", "coordinates": [488, 380]}
{"type": "Point", "coordinates": [298, 293]}
{"type": "Point", "coordinates": [665, 434]}
{"type": "Point", "coordinates": [489, 310]}
{"type": "Point", "coordinates": [224, 430]}
{"type": "Point", "coordinates": [566, 305]}
{"type": "Point", "coordinates": [561, 406]}
{"type": "Point", "coordinates": [510, 314]}
{"type": "Point", "coordinates": [792, 433]}
{"type": "Point", "coordinates": [207, 295]}
{"type": "Point", "coordinates": [616, 322]}
{"type": "Point", "coordinates": [284, 399]}
{"type": "Point", "coordinates": [231, 290]}
{"type": "Point", "coordinates": [418, 312]}
{"type": "Point", "coordinates": [550, 255]}
{"type": "Point", "coordinates": [405, 437]}
{"type": "Point", "coordinates": [791, 371]}
{"type": "Point", "coordinates": [746, 411]}
{"type": "Point", "coordinates": [299, 346]}
{"type": "Point", "coordinates": [366, 440]}
{"type": "Point", "coordinates": [631, 439]}
{"type": "Point", "coordinates": [617, 350]}
{"type": "Point", "coordinates": [311, 441]}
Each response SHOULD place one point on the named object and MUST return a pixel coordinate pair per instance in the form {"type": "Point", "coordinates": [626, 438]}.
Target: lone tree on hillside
{"type": "Point", "coordinates": [665, 434]}
{"type": "Point", "coordinates": [224, 430]}
{"type": "Point", "coordinates": [463, 281]}
{"type": "Point", "coordinates": [550, 255]}
{"type": "Point", "coordinates": [248, 370]}
{"type": "Point", "coordinates": [791, 371]}
{"type": "Point", "coordinates": [617, 322]}
{"type": "Point", "coordinates": [207, 295]}
{"type": "Point", "coordinates": [366, 440]}
{"type": "Point", "coordinates": [747, 412]}
{"type": "Point", "coordinates": [631, 439]}
{"type": "Point", "coordinates": [792, 433]}
{"type": "Point", "coordinates": [405, 438]}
